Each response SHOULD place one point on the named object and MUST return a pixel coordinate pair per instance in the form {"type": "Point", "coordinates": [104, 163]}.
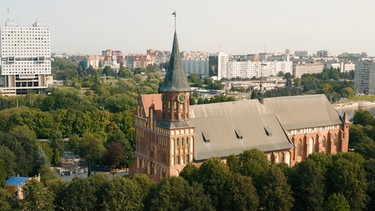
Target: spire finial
{"type": "Point", "coordinates": [175, 14]}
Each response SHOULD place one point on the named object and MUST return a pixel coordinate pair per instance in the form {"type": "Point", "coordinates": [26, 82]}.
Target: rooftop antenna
{"type": "Point", "coordinates": [175, 25]}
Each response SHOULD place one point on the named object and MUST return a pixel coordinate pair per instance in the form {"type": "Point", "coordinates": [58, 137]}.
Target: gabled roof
{"type": "Point", "coordinates": [148, 99]}
{"type": "Point", "coordinates": [304, 111]}
{"type": "Point", "coordinates": [229, 128]}
{"type": "Point", "coordinates": [175, 79]}
{"type": "Point", "coordinates": [16, 181]}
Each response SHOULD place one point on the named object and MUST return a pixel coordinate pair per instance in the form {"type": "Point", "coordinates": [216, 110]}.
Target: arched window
{"type": "Point", "coordinates": [312, 147]}
{"type": "Point", "coordinates": [299, 148]}
{"type": "Point", "coordinates": [324, 142]}
{"type": "Point", "coordinates": [187, 158]}
{"type": "Point", "coordinates": [335, 140]}
{"type": "Point", "coordinates": [282, 157]}
{"type": "Point", "coordinates": [178, 142]}
{"type": "Point", "coordinates": [178, 159]}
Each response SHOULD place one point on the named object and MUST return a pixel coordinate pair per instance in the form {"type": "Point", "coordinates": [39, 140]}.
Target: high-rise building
{"type": "Point", "coordinates": [25, 58]}
{"type": "Point", "coordinates": [364, 77]}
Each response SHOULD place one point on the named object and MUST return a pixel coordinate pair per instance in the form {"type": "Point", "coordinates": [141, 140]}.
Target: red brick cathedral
{"type": "Point", "coordinates": [170, 133]}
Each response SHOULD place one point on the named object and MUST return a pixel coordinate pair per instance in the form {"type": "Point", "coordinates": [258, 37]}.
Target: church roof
{"type": "Point", "coordinates": [229, 128]}
{"type": "Point", "coordinates": [175, 79]}
{"type": "Point", "coordinates": [148, 100]}
{"type": "Point", "coordinates": [304, 111]}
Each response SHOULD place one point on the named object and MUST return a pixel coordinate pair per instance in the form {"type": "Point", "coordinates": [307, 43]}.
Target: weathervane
{"type": "Point", "coordinates": [174, 14]}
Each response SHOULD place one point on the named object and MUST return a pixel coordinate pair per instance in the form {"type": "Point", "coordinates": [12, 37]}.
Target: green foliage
{"type": "Point", "coordinates": [174, 193]}
{"type": "Point", "coordinates": [36, 196]}
{"type": "Point", "coordinates": [348, 176]}
{"type": "Point", "coordinates": [4, 204]}
{"type": "Point", "coordinates": [90, 148]}
{"type": "Point", "coordinates": [123, 194]}
{"type": "Point", "coordinates": [79, 195]}
{"type": "Point", "coordinates": [369, 167]}
{"type": "Point", "coordinates": [363, 117]}
{"type": "Point", "coordinates": [276, 193]}
{"type": "Point", "coordinates": [307, 182]}
{"type": "Point", "coordinates": [214, 176]}
{"type": "Point", "coordinates": [254, 163]}
{"type": "Point", "coordinates": [242, 193]}
{"type": "Point", "coordinates": [337, 202]}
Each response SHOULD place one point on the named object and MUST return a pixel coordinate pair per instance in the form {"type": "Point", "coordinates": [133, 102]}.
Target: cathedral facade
{"type": "Point", "coordinates": [170, 133]}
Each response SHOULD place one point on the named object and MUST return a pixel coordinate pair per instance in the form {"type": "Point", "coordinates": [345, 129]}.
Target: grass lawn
{"type": "Point", "coordinates": [362, 98]}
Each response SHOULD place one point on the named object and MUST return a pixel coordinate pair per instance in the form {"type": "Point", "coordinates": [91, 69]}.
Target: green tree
{"type": "Point", "coordinates": [123, 194]}
{"type": "Point", "coordinates": [174, 193]}
{"type": "Point", "coordinates": [363, 117]}
{"type": "Point", "coordinates": [337, 202]}
{"type": "Point", "coordinates": [9, 161]}
{"type": "Point", "coordinates": [242, 193]}
{"type": "Point", "coordinates": [214, 176]}
{"type": "Point", "coordinates": [189, 173]}
{"type": "Point", "coordinates": [36, 196]}
{"type": "Point", "coordinates": [58, 188]}
{"type": "Point", "coordinates": [308, 185]}
{"type": "Point", "coordinates": [90, 149]}
{"type": "Point", "coordinates": [347, 176]}
{"type": "Point", "coordinates": [370, 176]}
{"type": "Point", "coordinates": [254, 163]}
{"type": "Point", "coordinates": [46, 174]}
{"type": "Point", "coordinates": [276, 192]}
{"type": "Point", "coordinates": [79, 195]}
{"type": "Point", "coordinates": [4, 204]}
{"type": "Point", "coordinates": [148, 187]}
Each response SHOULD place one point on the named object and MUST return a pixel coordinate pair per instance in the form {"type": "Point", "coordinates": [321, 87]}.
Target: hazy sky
{"type": "Point", "coordinates": [236, 26]}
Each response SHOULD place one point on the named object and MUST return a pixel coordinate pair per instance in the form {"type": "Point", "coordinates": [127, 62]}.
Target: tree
{"type": "Point", "coordinates": [337, 202]}
{"type": "Point", "coordinates": [347, 176]}
{"type": "Point", "coordinates": [114, 155]}
{"type": "Point", "coordinates": [308, 185]}
{"type": "Point", "coordinates": [363, 117]}
{"type": "Point", "coordinates": [79, 195]}
{"type": "Point", "coordinates": [58, 188]}
{"type": "Point", "coordinates": [214, 176]}
{"type": "Point", "coordinates": [148, 187]}
{"type": "Point", "coordinates": [242, 193]}
{"type": "Point", "coordinates": [4, 204]}
{"type": "Point", "coordinates": [123, 194]}
{"type": "Point", "coordinates": [9, 161]}
{"type": "Point", "coordinates": [90, 149]}
{"type": "Point", "coordinates": [189, 173]}
{"type": "Point", "coordinates": [276, 192]}
{"type": "Point", "coordinates": [370, 176]}
{"type": "Point", "coordinates": [46, 174]}
{"type": "Point", "coordinates": [36, 196]}
{"type": "Point", "coordinates": [347, 92]}
{"type": "Point", "coordinates": [56, 143]}
{"type": "Point", "coordinates": [254, 163]}
{"type": "Point", "coordinates": [174, 193]}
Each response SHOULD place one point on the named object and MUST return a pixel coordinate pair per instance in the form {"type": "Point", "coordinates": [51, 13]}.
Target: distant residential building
{"type": "Point", "coordinates": [307, 68]}
{"type": "Point", "coordinates": [195, 62]}
{"type": "Point", "coordinates": [250, 69]}
{"type": "Point", "coordinates": [344, 67]}
{"type": "Point", "coordinates": [159, 56]}
{"type": "Point", "coordinates": [94, 61]}
{"type": "Point", "coordinates": [364, 77]}
{"type": "Point", "coordinates": [322, 54]}
{"type": "Point", "coordinates": [139, 61]}
{"type": "Point", "coordinates": [25, 58]}
{"type": "Point", "coordinates": [301, 54]}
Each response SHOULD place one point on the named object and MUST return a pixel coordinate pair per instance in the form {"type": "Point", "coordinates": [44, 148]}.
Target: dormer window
{"type": "Point", "coordinates": [205, 136]}
{"type": "Point", "coordinates": [238, 134]}
{"type": "Point", "coordinates": [268, 131]}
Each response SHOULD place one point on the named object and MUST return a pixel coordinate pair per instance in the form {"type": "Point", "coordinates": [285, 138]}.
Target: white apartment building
{"type": "Point", "coordinates": [364, 77]}
{"type": "Point", "coordinates": [195, 62]}
{"type": "Point", "coordinates": [249, 69]}
{"type": "Point", "coordinates": [25, 58]}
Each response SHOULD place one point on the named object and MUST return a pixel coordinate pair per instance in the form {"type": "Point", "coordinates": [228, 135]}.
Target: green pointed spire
{"type": "Point", "coordinates": [175, 79]}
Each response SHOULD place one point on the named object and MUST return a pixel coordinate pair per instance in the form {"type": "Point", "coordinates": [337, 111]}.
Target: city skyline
{"type": "Point", "coordinates": [234, 27]}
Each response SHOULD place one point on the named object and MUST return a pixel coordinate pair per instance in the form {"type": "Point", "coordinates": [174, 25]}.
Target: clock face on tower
{"type": "Point", "coordinates": [181, 98]}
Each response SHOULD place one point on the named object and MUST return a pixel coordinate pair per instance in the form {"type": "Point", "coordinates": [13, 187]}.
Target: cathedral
{"type": "Point", "coordinates": [170, 133]}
